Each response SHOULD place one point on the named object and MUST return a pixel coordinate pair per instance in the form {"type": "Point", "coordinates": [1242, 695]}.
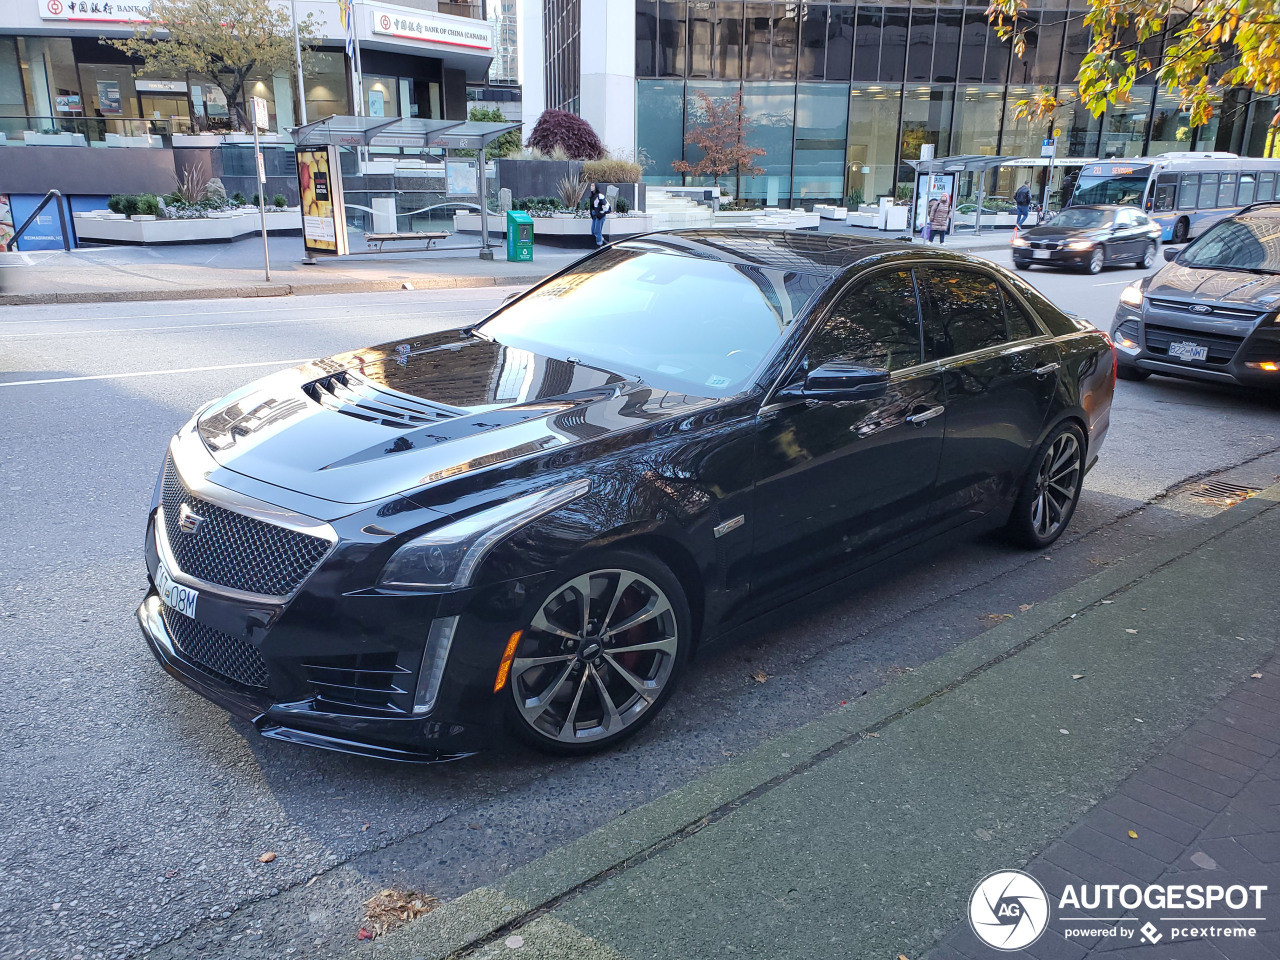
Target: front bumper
{"type": "Point", "coordinates": [1056, 258]}
{"type": "Point", "coordinates": [1229, 363]}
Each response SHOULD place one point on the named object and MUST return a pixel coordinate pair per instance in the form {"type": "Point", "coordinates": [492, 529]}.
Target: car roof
{"type": "Point", "coordinates": [802, 251]}
{"type": "Point", "coordinates": [1271, 207]}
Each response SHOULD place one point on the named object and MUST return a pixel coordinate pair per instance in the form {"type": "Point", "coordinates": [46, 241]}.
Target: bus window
{"type": "Point", "coordinates": [1227, 190]}
{"type": "Point", "coordinates": [1187, 191]}
{"type": "Point", "coordinates": [1166, 188]}
{"type": "Point", "coordinates": [1208, 191]}
{"type": "Point", "coordinates": [1245, 196]}
{"type": "Point", "coordinates": [1266, 184]}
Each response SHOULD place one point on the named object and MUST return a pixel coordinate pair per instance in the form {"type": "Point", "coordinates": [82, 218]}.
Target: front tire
{"type": "Point", "coordinates": [1050, 490]}
{"type": "Point", "coordinates": [1096, 260]}
{"type": "Point", "coordinates": [600, 654]}
{"type": "Point", "coordinates": [1125, 371]}
{"type": "Point", "coordinates": [1022, 264]}
{"type": "Point", "coordinates": [1148, 256]}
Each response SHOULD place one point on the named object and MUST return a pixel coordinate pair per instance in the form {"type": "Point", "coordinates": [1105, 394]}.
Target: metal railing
{"type": "Point", "coordinates": [55, 196]}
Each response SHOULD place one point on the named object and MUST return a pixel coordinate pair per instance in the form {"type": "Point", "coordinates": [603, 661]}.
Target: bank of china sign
{"type": "Point", "coordinates": [454, 31]}
{"type": "Point", "coordinates": [97, 11]}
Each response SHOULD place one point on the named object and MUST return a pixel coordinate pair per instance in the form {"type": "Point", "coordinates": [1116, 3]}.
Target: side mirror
{"type": "Point", "coordinates": [1171, 253]}
{"type": "Point", "coordinates": [840, 380]}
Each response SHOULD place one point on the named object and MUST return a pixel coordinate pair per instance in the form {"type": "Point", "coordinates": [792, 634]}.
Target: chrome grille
{"type": "Point", "coordinates": [219, 653]}
{"type": "Point", "coordinates": [233, 550]}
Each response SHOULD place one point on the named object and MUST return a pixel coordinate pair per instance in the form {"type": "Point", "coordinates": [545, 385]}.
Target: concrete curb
{"type": "Point", "coordinates": [487, 912]}
{"type": "Point", "coordinates": [267, 290]}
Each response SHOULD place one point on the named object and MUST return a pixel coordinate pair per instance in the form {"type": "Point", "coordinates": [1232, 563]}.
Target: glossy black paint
{"type": "Point", "coordinates": [1119, 240]}
{"type": "Point", "coordinates": [825, 485]}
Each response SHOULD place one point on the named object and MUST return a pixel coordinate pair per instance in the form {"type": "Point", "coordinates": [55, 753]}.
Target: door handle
{"type": "Point", "coordinates": [924, 415]}
{"type": "Point", "coordinates": [1046, 368]}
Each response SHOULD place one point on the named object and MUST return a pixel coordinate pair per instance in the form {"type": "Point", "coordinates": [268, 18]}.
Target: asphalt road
{"type": "Point", "coordinates": [135, 811]}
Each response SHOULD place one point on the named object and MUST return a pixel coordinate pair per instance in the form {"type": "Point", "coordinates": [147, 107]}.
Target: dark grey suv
{"type": "Point", "coordinates": [1213, 311]}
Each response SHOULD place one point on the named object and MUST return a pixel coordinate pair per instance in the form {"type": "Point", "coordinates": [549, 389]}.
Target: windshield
{"type": "Point", "coordinates": [677, 322]}
{"type": "Point", "coordinates": [1241, 243]}
{"type": "Point", "coordinates": [1072, 217]}
{"type": "Point", "coordinates": [1110, 190]}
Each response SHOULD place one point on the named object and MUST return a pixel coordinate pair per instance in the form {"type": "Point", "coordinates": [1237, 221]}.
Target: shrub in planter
{"type": "Point", "coordinates": [611, 171]}
{"type": "Point", "coordinates": [559, 128]}
{"type": "Point", "coordinates": [148, 205]}
{"type": "Point", "coordinates": [621, 205]}
{"type": "Point", "coordinates": [125, 203]}
{"type": "Point", "coordinates": [238, 198]}
{"type": "Point", "coordinates": [279, 201]}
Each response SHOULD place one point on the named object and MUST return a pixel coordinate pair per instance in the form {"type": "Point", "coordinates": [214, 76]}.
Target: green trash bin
{"type": "Point", "coordinates": [519, 235]}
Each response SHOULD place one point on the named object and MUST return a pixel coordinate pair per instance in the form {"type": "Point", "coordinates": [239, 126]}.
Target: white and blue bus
{"type": "Point", "coordinates": [1186, 193]}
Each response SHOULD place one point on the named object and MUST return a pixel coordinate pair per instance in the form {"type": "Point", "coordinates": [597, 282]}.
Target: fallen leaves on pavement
{"type": "Point", "coordinates": [759, 676]}
{"type": "Point", "coordinates": [267, 857]}
{"type": "Point", "coordinates": [996, 617]}
{"type": "Point", "coordinates": [1077, 676]}
{"type": "Point", "coordinates": [1133, 834]}
{"type": "Point", "coordinates": [1130, 630]}
{"type": "Point", "coordinates": [1255, 676]}
{"type": "Point", "coordinates": [392, 908]}
{"type": "Point", "coordinates": [1024, 607]}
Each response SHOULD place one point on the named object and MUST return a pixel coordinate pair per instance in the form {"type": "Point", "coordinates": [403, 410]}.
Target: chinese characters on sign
{"type": "Point", "coordinates": [456, 31]}
{"type": "Point", "coordinates": [124, 11]}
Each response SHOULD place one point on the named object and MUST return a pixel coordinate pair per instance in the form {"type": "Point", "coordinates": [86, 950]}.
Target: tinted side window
{"type": "Point", "coordinates": [874, 325]}
{"type": "Point", "coordinates": [966, 313]}
{"type": "Point", "coordinates": [1166, 187]}
{"type": "Point", "coordinates": [1266, 183]}
{"type": "Point", "coordinates": [1187, 188]}
{"type": "Point", "coordinates": [1208, 191]}
{"type": "Point", "coordinates": [1247, 187]}
{"type": "Point", "coordinates": [1020, 326]}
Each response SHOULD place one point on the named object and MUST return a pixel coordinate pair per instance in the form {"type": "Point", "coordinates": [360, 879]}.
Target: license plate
{"type": "Point", "coordinates": [175, 595]}
{"type": "Point", "coordinates": [1187, 350]}
{"type": "Point", "coordinates": [1040, 254]}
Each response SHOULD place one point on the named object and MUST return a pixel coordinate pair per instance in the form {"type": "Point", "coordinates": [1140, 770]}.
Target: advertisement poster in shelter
{"type": "Point", "coordinates": [324, 226]}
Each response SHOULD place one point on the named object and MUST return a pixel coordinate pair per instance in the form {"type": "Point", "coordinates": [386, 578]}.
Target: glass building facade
{"type": "Point", "coordinates": [841, 95]}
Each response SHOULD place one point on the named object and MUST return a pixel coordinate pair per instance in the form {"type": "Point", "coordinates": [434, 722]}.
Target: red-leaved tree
{"type": "Point", "coordinates": [559, 128]}
{"type": "Point", "coordinates": [722, 139]}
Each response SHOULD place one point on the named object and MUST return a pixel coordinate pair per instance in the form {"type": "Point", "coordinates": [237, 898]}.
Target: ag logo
{"type": "Point", "coordinates": [1009, 910]}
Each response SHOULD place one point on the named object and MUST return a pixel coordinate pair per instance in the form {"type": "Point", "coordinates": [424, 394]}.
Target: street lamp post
{"type": "Point", "coordinates": [297, 54]}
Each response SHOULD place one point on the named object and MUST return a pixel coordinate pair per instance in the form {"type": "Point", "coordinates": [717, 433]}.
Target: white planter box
{"type": "Point", "coordinates": [112, 230]}
{"type": "Point", "coordinates": [561, 225]}
{"type": "Point", "coordinates": [142, 216]}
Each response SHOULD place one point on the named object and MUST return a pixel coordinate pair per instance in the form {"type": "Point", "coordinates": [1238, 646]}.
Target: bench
{"type": "Point", "coordinates": [429, 237]}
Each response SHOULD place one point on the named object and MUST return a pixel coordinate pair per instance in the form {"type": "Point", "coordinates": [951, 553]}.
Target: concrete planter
{"type": "Point", "coordinates": [562, 229]}
{"type": "Point", "coordinates": [221, 227]}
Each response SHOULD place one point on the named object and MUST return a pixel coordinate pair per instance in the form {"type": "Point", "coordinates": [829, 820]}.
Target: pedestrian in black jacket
{"type": "Point", "coordinates": [599, 207]}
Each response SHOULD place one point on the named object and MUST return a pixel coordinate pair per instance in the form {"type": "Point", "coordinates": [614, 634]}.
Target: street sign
{"type": "Point", "coordinates": [1048, 147]}
{"type": "Point", "coordinates": [260, 116]}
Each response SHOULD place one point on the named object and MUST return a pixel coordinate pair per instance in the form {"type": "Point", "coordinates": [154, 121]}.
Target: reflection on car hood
{"type": "Point", "coordinates": [361, 426]}
{"type": "Point", "coordinates": [1176, 282]}
{"type": "Point", "coordinates": [1052, 232]}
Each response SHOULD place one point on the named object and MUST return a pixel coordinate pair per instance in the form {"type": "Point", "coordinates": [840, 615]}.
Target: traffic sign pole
{"type": "Point", "coordinates": [260, 122]}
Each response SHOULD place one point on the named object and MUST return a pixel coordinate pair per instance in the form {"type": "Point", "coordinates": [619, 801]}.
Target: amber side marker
{"type": "Point", "coordinates": [509, 654]}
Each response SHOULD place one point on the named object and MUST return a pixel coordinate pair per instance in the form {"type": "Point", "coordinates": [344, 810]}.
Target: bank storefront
{"type": "Point", "coordinates": [840, 96]}
{"type": "Point", "coordinates": [59, 85]}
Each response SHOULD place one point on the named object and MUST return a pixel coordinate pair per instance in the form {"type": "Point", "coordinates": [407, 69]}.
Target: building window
{"type": "Point", "coordinates": [818, 170]}
{"type": "Point", "coordinates": [771, 108]}
{"type": "Point", "coordinates": [646, 38]}
{"type": "Point", "coordinates": [870, 164]}
{"type": "Point", "coordinates": [841, 23]}
{"type": "Point", "coordinates": [924, 24]}
{"type": "Point", "coordinates": [813, 42]}
{"type": "Point", "coordinates": [977, 123]}
{"type": "Point", "coordinates": [1170, 125]}
{"type": "Point", "coordinates": [659, 127]}
{"type": "Point", "coordinates": [671, 37]}
{"type": "Point", "coordinates": [926, 118]}
{"type": "Point", "coordinates": [326, 85]}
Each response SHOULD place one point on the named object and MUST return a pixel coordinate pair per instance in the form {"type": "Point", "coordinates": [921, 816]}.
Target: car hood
{"type": "Point", "coordinates": [1176, 282]}
{"type": "Point", "coordinates": [1051, 232]}
{"type": "Point", "coordinates": [362, 426]}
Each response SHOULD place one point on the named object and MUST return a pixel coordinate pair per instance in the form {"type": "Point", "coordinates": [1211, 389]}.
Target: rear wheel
{"type": "Point", "coordinates": [1181, 229]}
{"type": "Point", "coordinates": [1050, 490]}
{"type": "Point", "coordinates": [1022, 264]}
{"type": "Point", "coordinates": [1148, 255]}
{"type": "Point", "coordinates": [1096, 259]}
{"type": "Point", "coordinates": [1125, 371]}
{"type": "Point", "coordinates": [600, 654]}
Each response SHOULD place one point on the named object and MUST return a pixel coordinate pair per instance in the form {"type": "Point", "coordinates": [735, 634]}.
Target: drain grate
{"type": "Point", "coordinates": [1222, 490]}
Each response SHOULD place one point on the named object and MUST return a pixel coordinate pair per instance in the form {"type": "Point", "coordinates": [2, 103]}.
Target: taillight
{"type": "Point", "coordinates": [1115, 355]}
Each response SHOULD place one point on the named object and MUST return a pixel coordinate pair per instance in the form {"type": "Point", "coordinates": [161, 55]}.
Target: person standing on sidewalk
{"type": "Point", "coordinates": [940, 218]}
{"type": "Point", "coordinates": [1022, 200]}
{"type": "Point", "coordinates": [599, 208]}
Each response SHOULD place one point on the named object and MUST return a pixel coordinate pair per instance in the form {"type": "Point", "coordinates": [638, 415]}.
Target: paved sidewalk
{"type": "Point", "coordinates": [1126, 703]}
{"type": "Point", "coordinates": [205, 271]}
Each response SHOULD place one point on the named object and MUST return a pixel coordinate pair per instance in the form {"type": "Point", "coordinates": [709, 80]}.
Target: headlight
{"type": "Point", "coordinates": [1019, 242]}
{"type": "Point", "coordinates": [1132, 294]}
{"type": "Point", "coordinates": [1079, 244]}
{"type": "Point", "coordinates": [446, 559]}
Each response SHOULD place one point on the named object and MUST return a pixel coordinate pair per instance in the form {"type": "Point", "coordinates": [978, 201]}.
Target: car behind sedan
{"type": "Point", "coordinates": [532, 524]}
{"type": "Point", "coordinates": [1089, 238]}
{"type": "Point", "coordinates": [1211, 312]}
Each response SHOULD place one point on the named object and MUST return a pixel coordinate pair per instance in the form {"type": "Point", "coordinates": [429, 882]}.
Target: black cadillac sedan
{"type": "Point", "coordinates": [533, 523]}
{"type": "Point", "coordinates": [1089, 238]}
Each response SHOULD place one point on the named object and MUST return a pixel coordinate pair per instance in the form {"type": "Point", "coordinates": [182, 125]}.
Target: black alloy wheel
{"type": "Point", "coordinates": [1096, 259]}
{"type": "Point", "coordinates": [599, 655]}
{"type": "Point", "coordinates": [1148, 255]}
{"type": "Point", "coordinates": [1050, 490]}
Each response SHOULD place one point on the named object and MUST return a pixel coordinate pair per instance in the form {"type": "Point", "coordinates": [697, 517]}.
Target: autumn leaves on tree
{"type": "Point", "coordinates": [721, 138]}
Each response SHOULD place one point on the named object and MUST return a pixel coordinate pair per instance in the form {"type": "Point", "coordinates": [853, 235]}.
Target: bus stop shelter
{"type": "Point", "coordinates": [412, 133]}
{"type": "Point", "coordinates": [964, 163]}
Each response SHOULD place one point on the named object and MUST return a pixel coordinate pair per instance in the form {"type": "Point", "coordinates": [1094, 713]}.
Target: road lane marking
{"type": "Point", "coordinates": [156, 373]}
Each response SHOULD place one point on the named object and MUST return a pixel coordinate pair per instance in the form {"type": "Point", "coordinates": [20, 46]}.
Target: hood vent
{"type": "Point", "coordinates": [356, 397]}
